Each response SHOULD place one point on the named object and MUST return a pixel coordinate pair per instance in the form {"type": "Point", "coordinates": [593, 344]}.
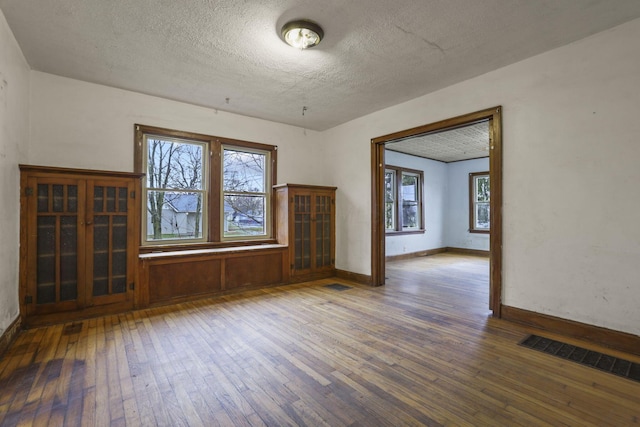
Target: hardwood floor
{"type": "Point", "coordinates": [420, 351]}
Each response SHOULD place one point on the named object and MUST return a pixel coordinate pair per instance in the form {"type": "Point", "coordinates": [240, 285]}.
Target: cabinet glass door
{"type": "Point", "coordinates": [54, 262]}
{"type": "Point", "coordinates": [302, 232]}
{"type": "Point", "coordinates": [323, 231]}
{"type": "Point", "coordinates": [108, 273]}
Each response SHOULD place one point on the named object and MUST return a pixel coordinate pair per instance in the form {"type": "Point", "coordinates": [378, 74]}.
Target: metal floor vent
{"type": "Point", "coordinates": [594, 359]}
{"type": "Point", "coordinates": [337, 287]}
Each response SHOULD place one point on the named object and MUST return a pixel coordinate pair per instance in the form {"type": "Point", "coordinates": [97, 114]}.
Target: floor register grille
{"type": "Point", "coordinates": [594, 359]}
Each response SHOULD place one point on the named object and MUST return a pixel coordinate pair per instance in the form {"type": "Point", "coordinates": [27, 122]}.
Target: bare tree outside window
{"type": "Point", "coordinates": [480, 201]}
{"type": "Point", "coordinates": [244, 192]}
{"type": "Point", "coordinates": [203, 189]}
{"type": "Point", "coordinates": [175, 190]}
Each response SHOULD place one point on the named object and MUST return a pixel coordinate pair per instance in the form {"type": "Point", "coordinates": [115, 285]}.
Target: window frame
{"type": "Point", "coordinates": [204, 190]}
{"type": "Point", "coordinates": [473, 201]}
{"type": "Point", "coordinates": [268, 185]}
{"type": "Point", "coordinates": [397, 208]}
{"type": "Point", "coordinates": [212, 212]}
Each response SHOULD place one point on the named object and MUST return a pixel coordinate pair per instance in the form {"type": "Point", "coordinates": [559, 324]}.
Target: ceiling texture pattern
{"type": "Point", "coordinates": [228, 54]}
{"type": "Point", "coordinates": [452, 145]}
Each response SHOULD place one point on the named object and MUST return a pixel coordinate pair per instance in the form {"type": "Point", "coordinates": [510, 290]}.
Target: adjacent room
{"type": "Point", "coordinates": [320, 213]}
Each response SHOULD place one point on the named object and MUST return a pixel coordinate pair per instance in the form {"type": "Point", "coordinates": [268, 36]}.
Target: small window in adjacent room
{"type": "Point", "coordinates": [479, 202]}
{"type": "Point", "coordinates": [390, 200]}
{"type": "Point", "coordinates": [403, 200]}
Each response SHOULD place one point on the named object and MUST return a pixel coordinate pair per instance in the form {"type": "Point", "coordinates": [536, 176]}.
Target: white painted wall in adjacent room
{"type": "Point", "coordinates": [83, 125]}
{"type": "Point", "coordinates": [571, 200]}
{"type": "Point", "coordinates": [14, 136]}
{"type": "Point", "coordinates": [435, 195]}
{"type": "Point", "coordinates": [457, 233]}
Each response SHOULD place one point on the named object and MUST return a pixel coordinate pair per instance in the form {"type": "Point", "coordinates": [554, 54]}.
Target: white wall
{"type": "Point", "coordinates": [89, 126]}
{"type": "Point", "coordinates": [14, 135]}
{"type": "Point", "coordinates": [571, 199]}
{"type": "Point", "coordinates": [457, 219]}
{"type": "Point", "coordinates": [435, 202]}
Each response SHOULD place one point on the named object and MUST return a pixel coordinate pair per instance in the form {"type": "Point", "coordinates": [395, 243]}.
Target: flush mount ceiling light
{"type": "Point", "coordinates": [302, 34]}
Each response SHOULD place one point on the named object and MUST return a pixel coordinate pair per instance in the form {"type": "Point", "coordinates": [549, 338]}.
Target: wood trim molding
{"type": "Point", "coordinates": [616, 340]}
{"type": "Point", "coordinates": [465, 251]}
{"type": "Point", "coordinates": [362, 279]}
{"type": "Point", "coordinates": [428, 252]}
{"type": "Point", "coordinates": [10, 334]}
{"type": "Point", "coordinates": [494, 117]}
{"type": "Point", "coordinates": [411, 255]}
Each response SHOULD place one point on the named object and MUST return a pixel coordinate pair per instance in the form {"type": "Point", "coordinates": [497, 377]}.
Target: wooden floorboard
{"type": "Point", "coordinates": [422, 350]}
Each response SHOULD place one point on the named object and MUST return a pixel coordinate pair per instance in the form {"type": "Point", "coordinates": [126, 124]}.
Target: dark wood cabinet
{"type": "Point", "coordinates": [79, 241]}
{"type": "Point", "coordinates": [305, 220]}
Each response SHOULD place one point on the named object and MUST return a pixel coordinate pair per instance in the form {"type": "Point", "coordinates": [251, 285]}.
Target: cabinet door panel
{"type": "Point", "coordinates": [302, 233]}
{"type": "Point", "coordinates": [54, 253]}
{"type": "Point", "coordinates": [107, 268]}
{"type": "Point", "coordinates": [323, 256]}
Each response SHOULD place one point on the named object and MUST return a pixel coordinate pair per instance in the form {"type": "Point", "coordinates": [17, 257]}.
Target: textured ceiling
{"type": "Point", "coordinates": [463, 143]}
{"type": "Point", "coordinates": [228, 55]}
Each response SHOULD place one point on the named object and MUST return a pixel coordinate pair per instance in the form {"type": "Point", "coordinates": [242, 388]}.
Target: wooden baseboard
{"type": "Point", "coordinates": [464, 251]}
{"type": "Point", "coordinates": [363, 279]}
{"type": "Point", "coordinates": [427, 252]}
{"type": "Point", "coordinates": [10, 334]}
{"type": "Point", "coordinates": [616, 340]}
{"type": "Point", "coordinates": [435, 251]}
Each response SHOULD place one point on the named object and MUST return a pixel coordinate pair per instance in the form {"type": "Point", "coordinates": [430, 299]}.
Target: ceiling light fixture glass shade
{"type": "Point", "coordinates": [302, 34]}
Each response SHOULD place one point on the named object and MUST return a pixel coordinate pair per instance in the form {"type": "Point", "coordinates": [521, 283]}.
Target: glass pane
{"type": "Point", "coordinates": [410, 213]}
{"type": "Point", "coordinates": [409, 188]}
{"type": "Point", "coordinates": [43, 198]}
{"type": "Point", "coordinates": [410, 201]}
{"type": "Point", "coordinates": [58, 198]}
{"type": "Point", "coordinates": [390, 197]}
{"type": "Point", "coordinates": [483, 191]}
{"type": "Point", "coordinates": [302, 204]}
{"type": "Point", "coordinates": [302, 241]}
{"type": "Point", "coordinates": [174, 164]}
{"type": "Point", "coordinates": [244, 216]}
{"type": "Point", "coordinates": [119, 285]}
{"type": "Point", "coordinates": [306, 242]}
{"type": "Point", "coordinates": [68, 258]}
{"type": "Point", "coordinates": [100, 287]}
{"type": "Point", "coordinates": [298, 239]}
{"type": "Point", "coordinates": [119, 255]}
{"type": "Point", "coordinates": [111, 199]}
{"type": "Point", "coordinates": [323, 240]}
{"type": "Point", "coordinates": [244, 172]}
{"type": "Point", "coordinates": [98, 199]}
{"type": "Point", "coordinates": [482, 216]}
{"type": "Point", "coordinates": [174, 215]}
{"type": "Point", "coordinates": [46, 260]}
{"type": "Point", "coordinates": [72, 198]}
{"type": "Point", "coordinates": [119, 241]}
{"type": "Point", "coordinates": [122, 199]}
{"type": "Point", "coordinates": [100, 255]}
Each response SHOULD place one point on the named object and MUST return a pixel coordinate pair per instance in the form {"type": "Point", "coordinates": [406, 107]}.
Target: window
{"type": "Point", "coordinates": [174, 189]}
{"type": "Point", "coordinates": [203, 189]}
{"type": "Point", "coordinates": [479, 203]}
{"type": "Point", "coordinates": [403, 200]}
{"type": "Point", "coordinates": [245, 183]}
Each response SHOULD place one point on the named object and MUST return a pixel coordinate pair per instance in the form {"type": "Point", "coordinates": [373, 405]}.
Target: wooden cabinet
{"type": "Point", "coordinates": [305, 220]}
{"type": "Point", "coordinates": [79, 241]}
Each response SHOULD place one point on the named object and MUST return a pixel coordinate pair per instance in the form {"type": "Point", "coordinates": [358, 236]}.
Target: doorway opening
{"type": "Point", "coordinates": [492, 117]}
